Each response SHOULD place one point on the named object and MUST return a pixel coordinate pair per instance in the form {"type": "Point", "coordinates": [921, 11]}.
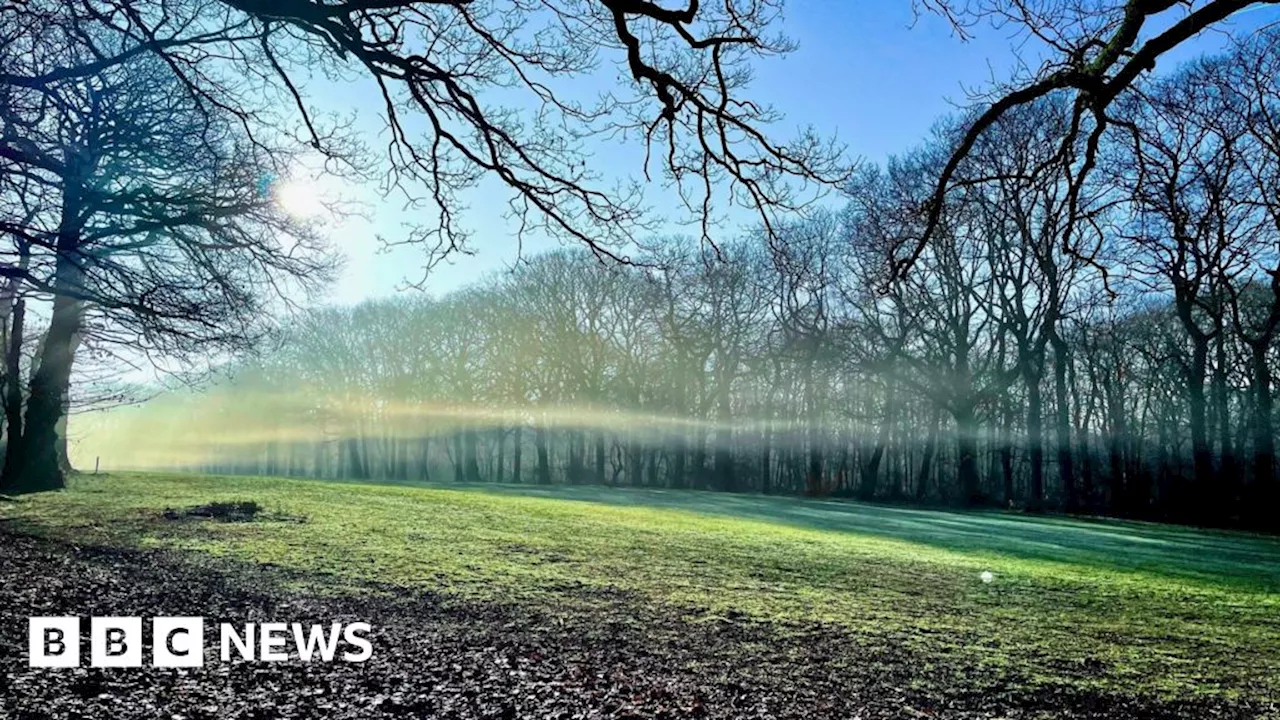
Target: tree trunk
{"type": "Point", "coordinates": [871, 469]}
{"type": "Point", "coordinates": [1226, 492]}
{"type": "Point", "coordinates": [517, 449]}
{"type": "Point", "coordinates": [1201, 454]}
{"type": "Point", "coordinates": [502, 455]}
{"type": "Point", "coordinates": [1062, 425]}
{"type": "Point", "coordinates": [723, 458]}
{"type": "Point", "coordinates": [1035, 440]}
{"type": "Point", "coordinates": [37, 451]}
{"type": "Point", "coordinates": [926, 462]}
{"type": "Point", "coordinates": [544, 461]}
{"type": "Point", "coordinates": [1264, 441]}
{"type": "Point", "coordinates": [459, 472]}
{"type": "Point", "coordinates": [698, 471]}
{"type": "Point", "coordinates": [813, 480]}
{"type": "Point", "coordinates": [13, 315]}
{"type": "Point", "coordinates": [470, 442]}
{"type": "Point", "coordinates": [13, 394]}
{"type": "Point", "coordinates": [967, 450]}
{"type": "Point", "coordinates": [1117, 431]}
{"type": "Point", "coordinates": [635, 462]}
{"type": "Point", "coordinates": [1008, 492]}
{"type": "Point", "coordinates": [577, 461]}
{"type": "Point", "coordinates": [64, 457]}
{"type": "Point", "coordinates": [679, 468]}
{"type": "Point", "coordinates": [766, 479]}
{"type": "Point", "coordinates": [37, 467]}
{"type": "Point", "coordinates": [39, 448]}
{"type": "Point", "coordinates": [600, 457]}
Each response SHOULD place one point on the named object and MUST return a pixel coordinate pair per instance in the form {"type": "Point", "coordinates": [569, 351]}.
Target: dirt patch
{"type": "Point", "coordinates": [221, 511]}
{"type": "Point", "coordinates": [603, 655]}
{"type": "Point", "coordinates": [230, 512]}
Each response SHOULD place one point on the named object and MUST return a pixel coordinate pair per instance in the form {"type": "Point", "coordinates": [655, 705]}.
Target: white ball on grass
{"type": "Point", "coordinates": [987, 577]}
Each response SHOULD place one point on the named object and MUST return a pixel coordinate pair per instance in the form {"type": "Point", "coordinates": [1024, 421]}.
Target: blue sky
{"type": "Point", "coordinates": [866, 70]}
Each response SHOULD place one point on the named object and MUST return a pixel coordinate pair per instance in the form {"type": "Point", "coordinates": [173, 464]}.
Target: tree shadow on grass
{"type": "Point", "coordinates": [1235, 558]}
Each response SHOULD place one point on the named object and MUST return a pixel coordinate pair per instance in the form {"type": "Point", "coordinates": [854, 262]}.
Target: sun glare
{"type": "Point", "coordinates": [302, 198]}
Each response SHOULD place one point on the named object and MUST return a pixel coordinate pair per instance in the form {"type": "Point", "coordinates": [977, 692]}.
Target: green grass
{"type": "Point", "coordinates": [1113, 606]}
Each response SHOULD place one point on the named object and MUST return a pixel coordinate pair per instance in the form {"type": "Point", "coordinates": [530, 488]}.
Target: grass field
{"type": "Point", "coordinates": [1111, 606]}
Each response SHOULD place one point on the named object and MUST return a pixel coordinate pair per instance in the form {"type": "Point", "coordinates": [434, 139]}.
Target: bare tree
{"type": "Point", "coordinates": [685, 72]}
{"type": "Point", "coordinates": [1094, 51]}
{"type": "Point", "coordinates": [1194, 229]}
{"type": "Point", "coordinates": [158, 224]}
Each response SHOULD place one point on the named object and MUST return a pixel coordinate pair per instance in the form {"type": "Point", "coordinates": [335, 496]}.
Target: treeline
{"type": "Point", "coordinates": [148, 150]}
{"type": "Point", "coordinates": [1106, 347]}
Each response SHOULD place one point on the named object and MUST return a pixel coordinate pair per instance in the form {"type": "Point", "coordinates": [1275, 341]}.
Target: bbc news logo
{"type": "Point", "coordinates": [179, 641]}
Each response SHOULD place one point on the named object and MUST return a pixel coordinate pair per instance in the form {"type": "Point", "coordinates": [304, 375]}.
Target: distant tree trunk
{"type": "Point", "coordinates": [838, 483]}
{"type": "Point", "coordinates": [725, 479]}
{"type": "Point", "coordinates": [926, 461]}
{"type": "Point", "coordinates": [459, 455]}
{"type": "Point", "coordinates": [813, 478]}
{"type": "Point", "coordinates": [576, 459]}
{"type": "Point", "coordinates": [871, 468]}
{"type": "Point", "coordinates": [1087, 499]}
{"type": "Point", "coordinates": [1008, 491]}
{"type": "Point", "coordinates": [967, 451]}
{"type": "Point", "coordinates": [698, 471]}
{"type": "Point", "coordinates": [517, 449]}
{"type": "Point", "coordinates": [356, 456]}
{"type": "Point", "coordinates": [1084, 421]}
{"type": "Point", "coordinates": [792, 463]}
{"type": "Point", "coordinates": [1201, 454]}
{"type": "Point", "coordinates": [471, 455]}
{"type": "Point", "coordinates": [600, 457]}
{"type": "Point", "coordinates": [1117, 431]}
{"type": "Point", "coordinates": [724, 429]}
{"type": "Point", "coordinates": [813, 429]}
{"type": "Point", "coordinates": [1169, 466]}
{"type": "Point", "coordinates": [1227, 488]}
{"type": "Point", "coordinates": [502, 452]}
{"type": "Point", "coordinates": [635, 462]}
{"type": "Point", "coordinates": [679, 460]}
{"type": "Point", "coordinates": [1264, 441]}
{"type": "Point", "coordinates": [458, 470]}
{"type": "Point", "coordinates": [1035, 439]}
{"type": "Point", "coordinates": [1062, 424]}
{"type": "Point", "coordinates": [272, 464]}
{"type": "Point", "coordinates": [544, 460]}
{"type": "Point", "coordinates": [766, 474]}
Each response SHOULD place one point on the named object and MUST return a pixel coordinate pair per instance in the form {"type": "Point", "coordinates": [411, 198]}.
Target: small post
{"type": "Point", "coordinates": [96, 460]}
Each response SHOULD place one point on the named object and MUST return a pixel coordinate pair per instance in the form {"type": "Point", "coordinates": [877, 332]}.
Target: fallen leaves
{"type": "Point", "coordinates": [442, 657]}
